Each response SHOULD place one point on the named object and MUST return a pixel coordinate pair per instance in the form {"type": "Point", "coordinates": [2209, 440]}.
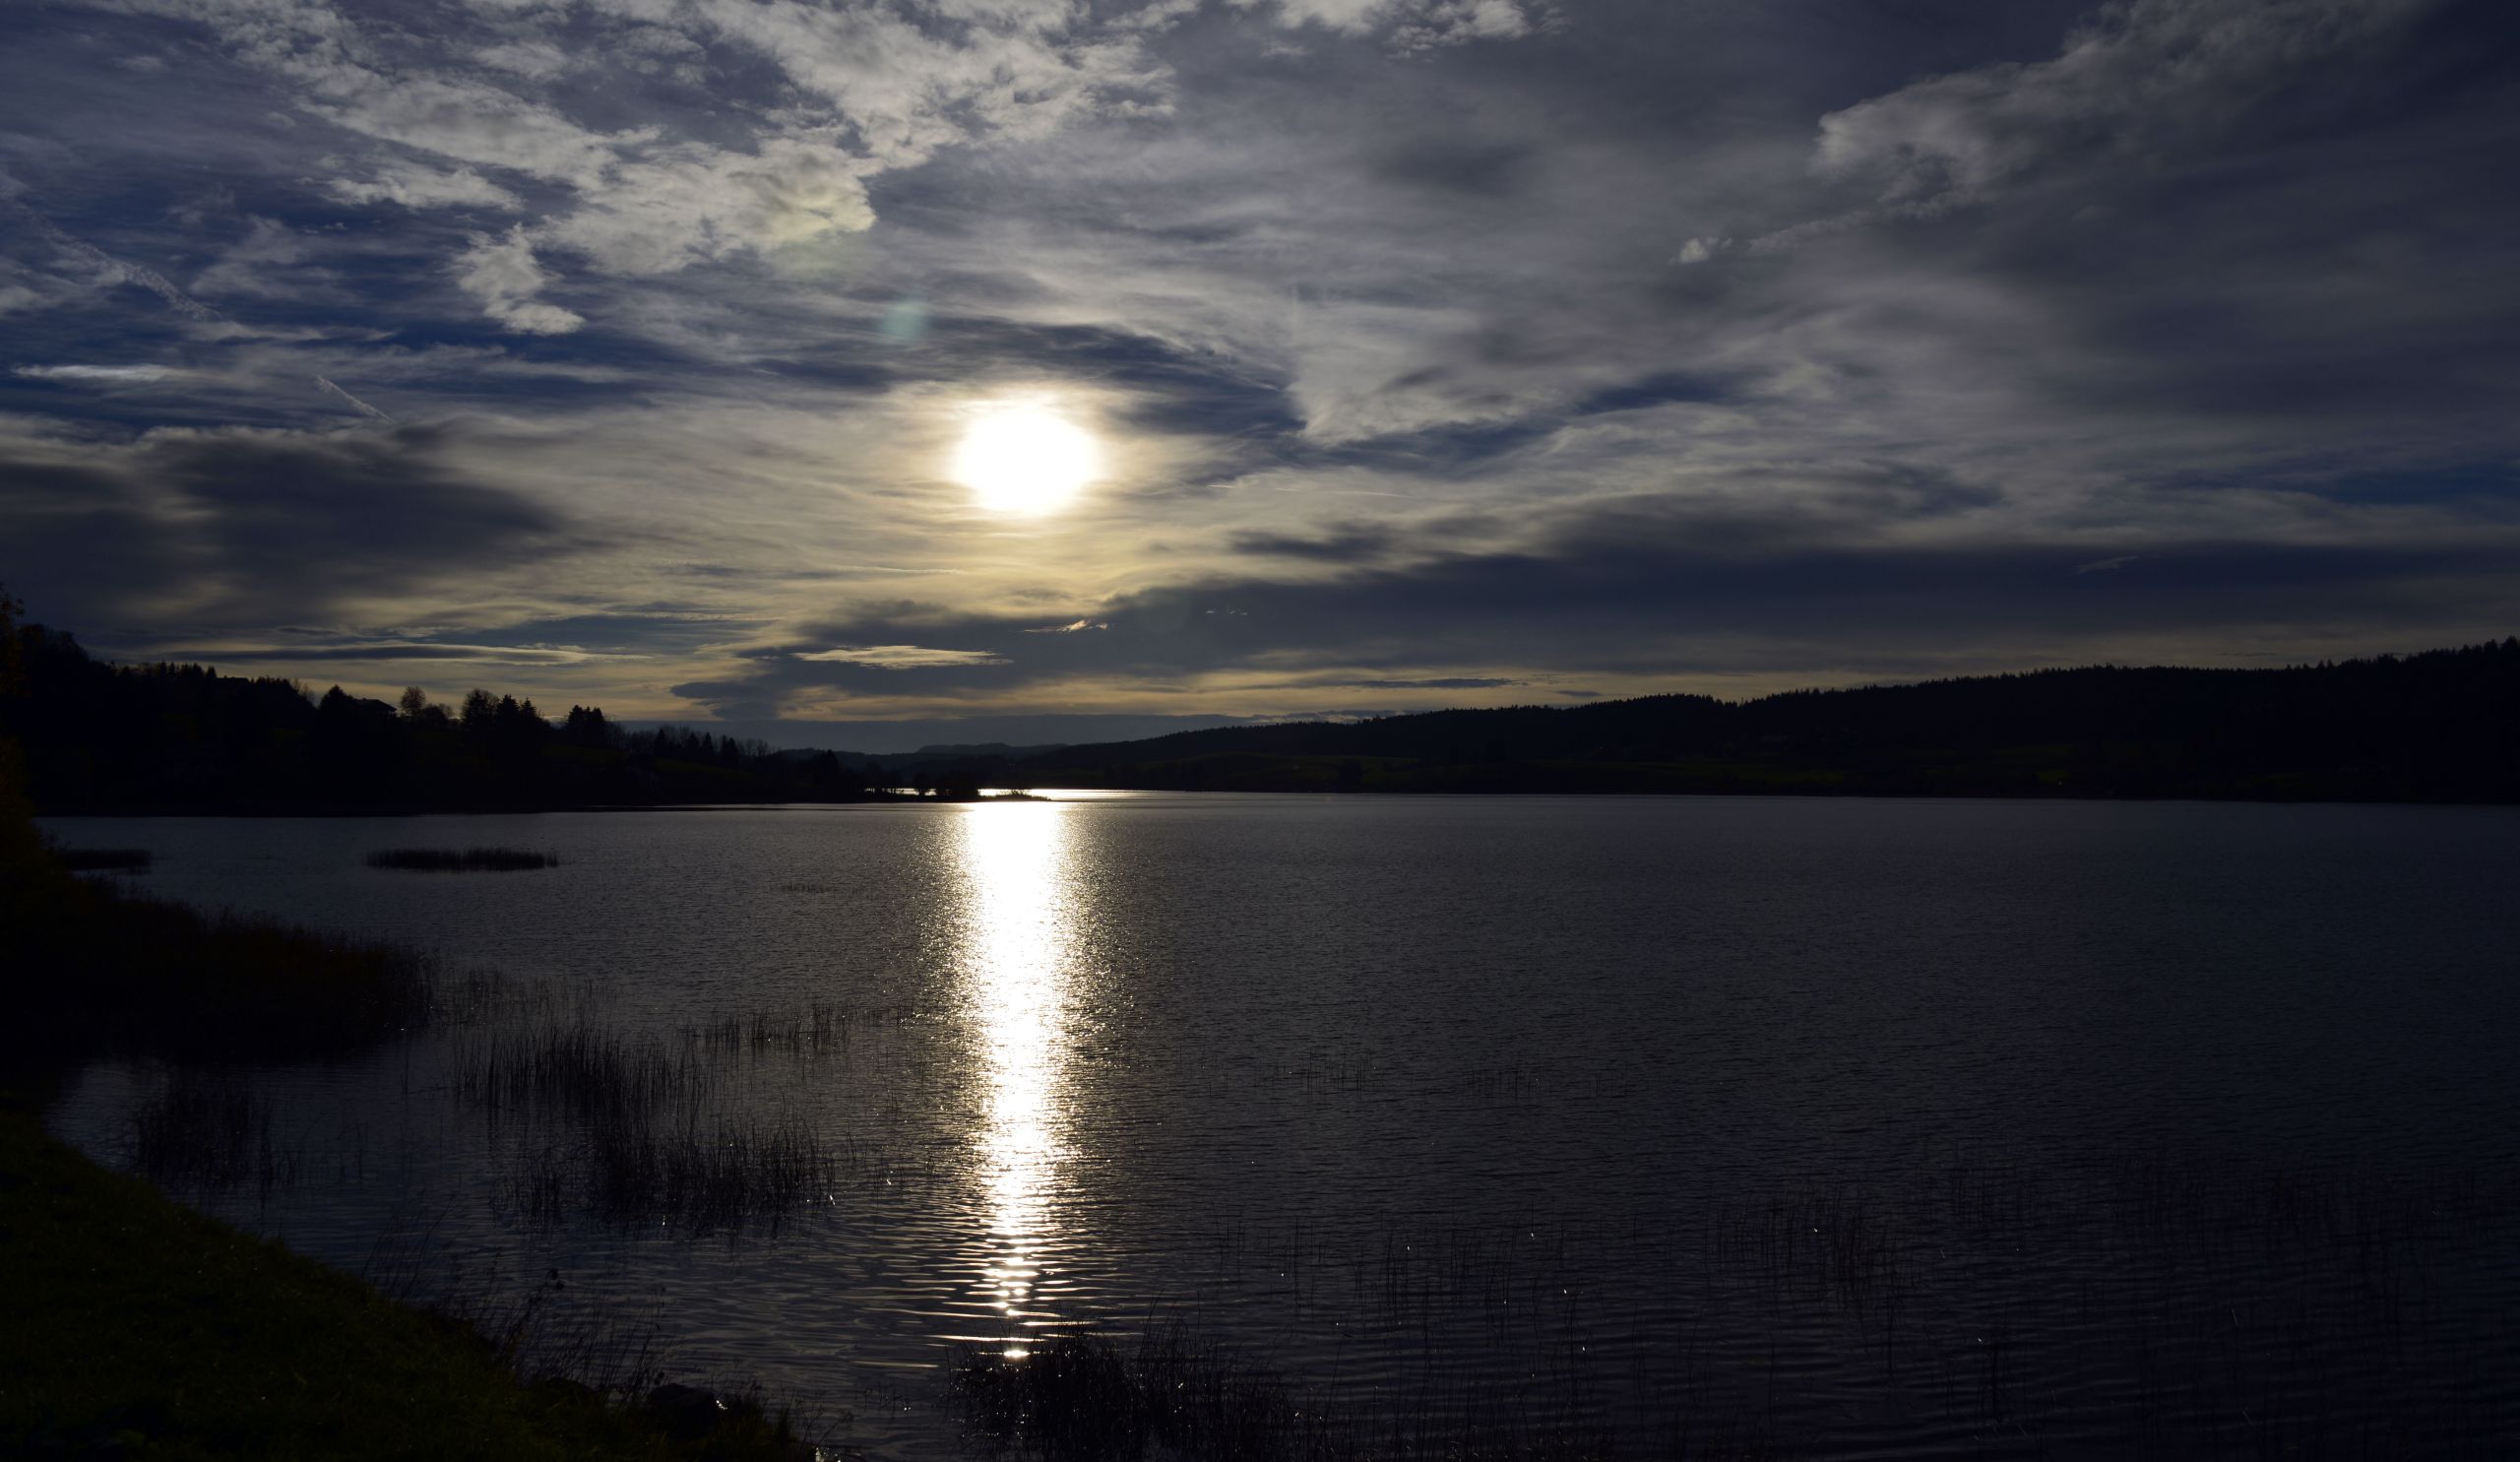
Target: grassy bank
{"type": "Point", "coordinates": [133, 1328]}
{"type": "Point", "coordinates": [95, 968]}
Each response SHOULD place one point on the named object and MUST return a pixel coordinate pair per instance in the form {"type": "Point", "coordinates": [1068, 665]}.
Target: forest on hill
{"type": "Point", "coordinates": [100, 738]}
{"type": "Point", "coordinates": [2441, 725]}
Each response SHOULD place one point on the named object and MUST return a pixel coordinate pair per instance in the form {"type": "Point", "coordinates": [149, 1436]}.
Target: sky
{"type": "Point", "coordinates": [1427, 352]}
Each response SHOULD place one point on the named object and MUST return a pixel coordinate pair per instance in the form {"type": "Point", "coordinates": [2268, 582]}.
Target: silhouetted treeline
{"type": "Point", "coordinates": [2443, 725]}
{"type": "Point", "coordinates": [99, 737]}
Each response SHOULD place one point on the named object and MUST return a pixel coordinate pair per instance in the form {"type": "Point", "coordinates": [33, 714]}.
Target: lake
{"type": "Point", "coordinates": [1860, 1129]}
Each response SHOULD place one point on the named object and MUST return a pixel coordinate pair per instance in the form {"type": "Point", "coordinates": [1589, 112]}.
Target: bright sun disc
{"type": "Point", "coordinates": [1026, 458]}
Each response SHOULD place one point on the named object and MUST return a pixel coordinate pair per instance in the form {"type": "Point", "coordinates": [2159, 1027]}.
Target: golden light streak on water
{"type": "Point", "coordinates": [1018, 956]}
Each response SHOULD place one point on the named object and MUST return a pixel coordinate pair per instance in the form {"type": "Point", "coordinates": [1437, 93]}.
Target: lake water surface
{"type": "Point", "coordinates": [1838, 1127]}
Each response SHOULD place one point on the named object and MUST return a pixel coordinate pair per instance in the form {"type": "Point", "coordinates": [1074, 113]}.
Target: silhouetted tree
{"type": "Point", "coordinates": [586, 727]}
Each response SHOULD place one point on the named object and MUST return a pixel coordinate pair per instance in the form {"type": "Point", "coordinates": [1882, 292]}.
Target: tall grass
{"type": "Point", "coordinates": [211, 1128]}
{"type": "Point", "coordinates": [638, 1131]}
{"type": "Point", "coordinates": [580, 1068]}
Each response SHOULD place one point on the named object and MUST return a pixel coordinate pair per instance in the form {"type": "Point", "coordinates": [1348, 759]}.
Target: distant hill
{"type": "Point", "coordinates": [2442, 726]}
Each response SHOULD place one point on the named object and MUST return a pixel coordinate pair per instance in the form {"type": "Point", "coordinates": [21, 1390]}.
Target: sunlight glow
{"type": "Point", "coordinates": [1020, 927]}
{"type": "Point", "coordinates": [1026, 458]}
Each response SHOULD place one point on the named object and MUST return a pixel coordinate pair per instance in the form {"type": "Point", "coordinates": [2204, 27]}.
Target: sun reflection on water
{"type": "Point", "coordinates": [1017, 954]}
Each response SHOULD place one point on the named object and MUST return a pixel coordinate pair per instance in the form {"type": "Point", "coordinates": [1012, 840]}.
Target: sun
{"type": "Point", "coordinates": [1025, 458]}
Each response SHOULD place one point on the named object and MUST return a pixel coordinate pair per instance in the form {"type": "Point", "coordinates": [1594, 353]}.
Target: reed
{"type": "Point", "coordinates": [208, 1129]}
{"type": "Point", "coordinates": [577, 1066]}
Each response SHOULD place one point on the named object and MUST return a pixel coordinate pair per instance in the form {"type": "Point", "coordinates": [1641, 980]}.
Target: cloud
{"type": "Point", "coordinates": [354, 652]}
{"type": "Point", "coordinates": [103, 375]}
{"type": "Point", "coordinates": [1638, 589]}
{"type": "Point", "coordinates": [416, 185]}
{"type": "Point", "coordinates": [270, 261]}
{"type": "Point", "coordinates": [353, 402]}
{"type": "Point", "coordinates": [2139, 74]}
{"type": "Point", "coordinates": [1417, 24]}
{"type": "Point", "coordinates": [502, 273]}
{"type": "Point", "coordinates": [881, 89]}
{"type": "Point", "coordinates": [686, 206]}
{"type": "Point", "coordinates": [1433, 682]}
{"type": "Point", "coordinates": [1350, 544]}
{"type": "Point", "coordinates": [118, 271]}
{"type": "Point", "coordinates": [901, 656]}
{"type": "Point", "coordinates": [256, 527]}
{"type": "Point", "coordinates": [540, 60]}
{"type": "Point", "coordinates": [1629, 345]}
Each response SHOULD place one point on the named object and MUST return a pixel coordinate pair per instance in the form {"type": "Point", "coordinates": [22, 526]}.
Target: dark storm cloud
{"type": "Point", "coordinates": [1355, 543]}
{"type": "Point", "coordinates": [256, 528]}
{"type": "Point", "coordinates": [1454, 166]}
{"type": "Point", "coordinates": [1640, 588]}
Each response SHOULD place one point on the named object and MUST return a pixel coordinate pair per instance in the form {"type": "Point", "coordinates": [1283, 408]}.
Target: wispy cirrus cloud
{"type": "Point", "coordinates": [102, 375]}
{"type": "Point", "coordinates": [1452, 350]}
{"type": "Point", "coordinates": [900, 657]}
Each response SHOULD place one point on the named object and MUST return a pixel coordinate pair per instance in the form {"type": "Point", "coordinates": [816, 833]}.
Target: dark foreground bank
{"type": "Point", "coordinates": [130, 1326]}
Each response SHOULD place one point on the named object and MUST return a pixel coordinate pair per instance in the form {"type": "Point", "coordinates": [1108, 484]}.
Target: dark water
{"type": "Point", "coordinates": [1854, 1128]}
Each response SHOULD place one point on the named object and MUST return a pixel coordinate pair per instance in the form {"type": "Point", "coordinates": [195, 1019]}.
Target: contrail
{"type": "Point", "coordinates": [353, 399]}
{"type": "Point", "coordinates": [131, 273]}
{"type": "Point", "coordinates": [164, 288]}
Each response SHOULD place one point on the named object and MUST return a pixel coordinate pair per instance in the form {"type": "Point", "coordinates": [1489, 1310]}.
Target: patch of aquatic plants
{"type": "Point", "coordinates": [462, 860]}
{"type": "Point", "coordinates": [645, 1132]}
{"type": "Point", "coordinates": [701, 1175]}
{"type": "Point", "coordinates": [208, 1129]}
{"type": "Point", "coordinates": [579, 1066]}
{"type": "Point", "coordinates": [103, 860]}
{"type": "Point", "coordinates": [822, 1027]}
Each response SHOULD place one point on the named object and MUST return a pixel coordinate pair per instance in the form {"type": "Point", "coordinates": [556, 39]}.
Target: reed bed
{"type": "Point", "coordinates": [685, 1174]}
{"type": "Point", "coordinates": [462, 860]}
{"type": "Point", "coordinates": [208, 1129]}
{"type": "Point", "coordinates": [822, 1027]}
{"type": "Point", "coordinates": [582, 1069]}
{"type": "Point", "coordinates": [652, 1133]}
